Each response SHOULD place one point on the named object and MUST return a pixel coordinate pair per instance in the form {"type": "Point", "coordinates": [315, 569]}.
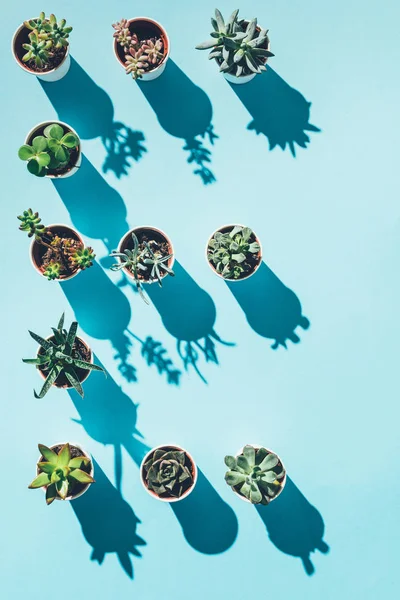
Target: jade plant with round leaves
{"type": "Point", "coordinates": [257, 474]}
{"type": "Point", "coordinates": [59, 473]}
{"type": "Point", "coordinates": [48, 151]}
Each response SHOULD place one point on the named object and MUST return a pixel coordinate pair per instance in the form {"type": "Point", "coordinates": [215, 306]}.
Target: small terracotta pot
{"type": "Point", "coordinates": [245, 78]}
{"type": "Point", "coordinates": [68, 386]}
{"type": "Point", "coordinates": [227, 229]}
{"type": "Point", "coordinates": [74, 496]}
{"type": "Point", "coordinates": [37, 250]}
{"type": "Point", "coordinates": [21, 37]}
{"type": "Point", "coordinates": [125, 243]}
{"type": "Point", "coordinates": [38, 130]}
{"type": "Point", "coordinates": [283, 482]}
{"type": "Point", "coordinates": [171, 447]}
{"type": "Point", "coordinates": [149, 28]}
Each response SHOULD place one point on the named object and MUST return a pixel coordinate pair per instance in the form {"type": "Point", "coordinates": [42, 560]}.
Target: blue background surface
{"type": "Point", "coordinates": [328, 220]}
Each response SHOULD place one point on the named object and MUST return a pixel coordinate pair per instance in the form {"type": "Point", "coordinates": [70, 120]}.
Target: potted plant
{"type": "Point", "coordinates": [240, 47]}
{"type": "Point", "coordinates": [234, 252]}
{"type": "Point", "coordinates": [52, 149]}
{"type": "Point", "coordinates": [65, 471]}
{"type": "Point", "coordinates": [40, 46]}
{"type": "Point", "coordinates": [168, 473]}
{"type": "Point", "coordinates": [256, 474]}
{"type": "Point", "coordinates": [142, 47]}
{"type": "Point", "coordinates": [57, 251]}
{"type": "Point", "coordinates": [146, 255]}
{"type": "Point", "coordinates": [63, 359]}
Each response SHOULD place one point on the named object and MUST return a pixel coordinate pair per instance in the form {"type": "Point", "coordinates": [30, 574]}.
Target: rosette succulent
{"type": "Point", "coordinates": [168, 472]}
{"type": "Point", "coordinates": [233, 253]}
{"type": "Point", "coordinates": [59, 472]}
{"type": "Point", "coordinates": [141, 54]}
{"type": "Point", "coordinates": [82, 258]}
{"type": "Point", "coordinates": [136, 62]}
{"type": "Point", "coordinates": [32, 224]}
{"type": "Point", "coordinates": [257, 474]}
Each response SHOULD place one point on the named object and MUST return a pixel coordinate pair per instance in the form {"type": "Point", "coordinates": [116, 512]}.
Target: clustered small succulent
{"type": "Point", "coordinates": [256, 474]}
{"type": "Point", "coordinates": [50, 151]}
{"type": "Point", "coordinates": [167, 474]}
{"type": "Point", "coordinates": [140, 55]}
{"type": "Point", "coordinates": [60, 355]}
{"type": "Point", "coordinates": [59, 473]}
{"type": "Point", "coordinates": [64, 255]}
{"type": "Point", "coordinates": [46, 37]}
{"type": "Point", "coordinates": [229, 252]}
{"type": "Point", "coordinates": [239, 47]}
{"type": "Point", "coordinates": [141, 259]}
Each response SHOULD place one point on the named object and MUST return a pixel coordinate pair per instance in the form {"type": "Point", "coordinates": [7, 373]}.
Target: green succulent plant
{"type": "Point", "coordinates": [124, 37]}
{"type": "Point", "coordinates": [166, 473]}
{"type": "Point", "coordinates": [140, 55]}
{"type": "Point", "coordinates": [158, 262]}
{"type": "Point", "coordinates": [57, 32]}
{"type": "Point", "coordinates": [59, 473]}
{"type": "Point", "coordinates": [31, 223]}
{"type": "Point", "coordinates": [82, 258]}
{"type": "Point", "coordinates": [131, 259]}
{"type": "Point", "coordinates": [229, 252]}
{"type": "Point", "coordinates": [239, 47]}
{"type": "Point", "coordinates": [52, 271]}
{"type": "Point", "coordinates": [136, 63]}
{"type": "Point", "coordinates": [47, 35]}
{"type": "Point", "coordinates": [256, 474]}
{"type": "Point", "coordinates": [48, 151]}
{"type": "Point", "coordinates": [59, 355]}
{"type": "Point", "coordinates": [37, 49]}
{"type": "Point", "coordinates": [38, 24]}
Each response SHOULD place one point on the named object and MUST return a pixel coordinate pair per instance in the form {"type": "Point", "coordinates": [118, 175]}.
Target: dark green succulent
{"type": "Point", "coordinates": [167, 473]}
{"type": "Point", "coordinates": [37, 50]}
{"type": "Point", "coordinates": [230, 252]}
{"type": "Point", "coordinates": [57, 32]}
{"type": "Point", "coordinates": [256, 474]}
{"type": "Point", "coordinates": [59, 473]}
{"type": "Point", "coordinates": [82, 258]}
{"type": "Point", "coordinates": [31, 223]}
{"type": "Point", "coordinates": [59, 355]}
{"type": "Point", "coordinates": [239, 47]}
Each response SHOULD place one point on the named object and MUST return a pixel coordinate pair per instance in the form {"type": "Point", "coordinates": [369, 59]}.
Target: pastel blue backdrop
{"type": "Point", "coordinates": [303, 358]}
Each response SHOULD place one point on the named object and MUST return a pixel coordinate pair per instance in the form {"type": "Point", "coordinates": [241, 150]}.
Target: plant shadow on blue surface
{"type": "Point", "coordinates": [279, 112]}
{"type": "Point", "coordinates": [294, 525]}
{"type": "Point", "coordinates": [92, 295]}
{"type": "Point", "coordinates": [81, 103]}
{"type": "Point", "coordinates": [108, 522]}
{"type": "Point", "coordinates": [272, 309]}
{"type": "Point", "coordinates": [184, 111]}
{"type": "Point", "coordinates": [109, 416]}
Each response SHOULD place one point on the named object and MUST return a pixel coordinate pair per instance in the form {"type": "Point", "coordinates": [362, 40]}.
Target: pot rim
{"type": "Point", "coordinates": [257, 446]}
{"type": "Point", "coordinates": [255, 268]}
{"type": "Point", "coordinates": [151, 228]}
{"type": "Point", "coordinates": [163, 31]}
{"type": "Point", "coordinates": [70, 498]}
{"type": "Point", "coordinates": [249, 74]}
{"type": "Point", "coordinates": [68, 387]}
{"type": "Point", "coordinates": [195, 473]}
{"type": "Point", "coordinates": [22, 65]}
{"type": "Point", "coordinates": [72, 130]}
{"type": "Point", "coordinates": [33, 242]}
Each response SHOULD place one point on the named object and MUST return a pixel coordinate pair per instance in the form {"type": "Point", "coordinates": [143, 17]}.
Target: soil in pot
{"type": "Point", "coordinates": [277, 469]}
{"type": "Point", "coordinates": [146, 31]}
{"type": "Point", "coordinates": [73, 152]}
{"type": "Point", "coordinates": [188, 463]}
{"type": "Point", "coordinates": [155, 240]}
{"type": "Point", "coordinates": [56, 56]}
{"type": "Point", "coordinates": [252, 260]}
{"type": "Point", "coordinates": [60, 242]}
{"type": "Point", "coordinates": [75, 487]}
{"type": "Point", "coordinates": [80, 351]}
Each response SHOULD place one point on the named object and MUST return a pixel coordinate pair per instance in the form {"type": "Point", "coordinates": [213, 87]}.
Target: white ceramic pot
{"type": "Point", "coordinates": [88, 372]}
{"type": "Point", "coordinates": [195, 473]}
{"type": "Point", "coordinates": [78, 162]}
{"type": "Point", "coordinates": [50, 76]}
{"type": "Point", "coordinates": [157, 71]}
{"type": "Point", "coordinates": [35, 244]}
{"type": "Point", "coordinates": [215, 270]}
{"type": "Point", "coordinates": [84, 453]}
{"type": "Point", "coordinates": [283, 482]}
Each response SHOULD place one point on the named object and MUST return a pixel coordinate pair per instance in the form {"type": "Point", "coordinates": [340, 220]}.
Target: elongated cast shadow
{"type": "Point", "coordinates": [279, 112]}
{"type": "Point", "coordinates": [81, 103]}
{"type": "Point", "coordinates": [108, 522]}
{"type": "Point", "coordinates": [188, 313]}
{"type": "Point", "coordinates": [272, 309]}
{"type": "Point", "coordinates": [294, 525]}
{"type": "Point", "coordinates": [184, 111]}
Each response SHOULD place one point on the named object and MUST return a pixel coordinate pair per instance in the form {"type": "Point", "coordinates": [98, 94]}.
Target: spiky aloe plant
{"type": "Point", "coordinates": [167, 474]}
{"type": "Point", "coordinates": [239, 47]}
{"type": "Point", "coordinates": [230, 252]}
{"type": "Point", "coordinates": [59, 473]}
{"type": "Point", "coordinates": [60, 355]}
{"type": "Point", "coordinates": [256, 474]}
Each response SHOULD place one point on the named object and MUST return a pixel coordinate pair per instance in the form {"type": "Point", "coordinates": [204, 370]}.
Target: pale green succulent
{"type": "Point", "coordinates": [229, 252]}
